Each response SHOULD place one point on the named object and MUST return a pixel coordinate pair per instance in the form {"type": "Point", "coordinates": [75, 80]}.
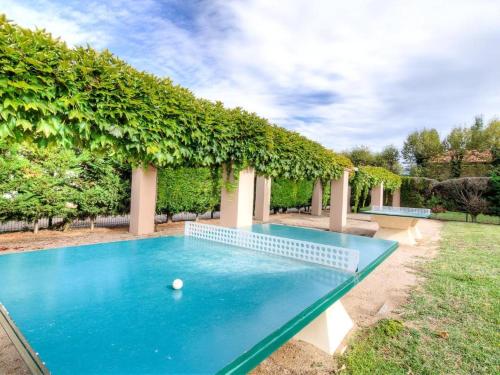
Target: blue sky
{"type": "Point", "coordinates": [343, 73]}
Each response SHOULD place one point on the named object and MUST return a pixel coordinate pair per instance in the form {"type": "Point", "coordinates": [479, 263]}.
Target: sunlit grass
{"type": "Point", "coordinates": [450, 325]}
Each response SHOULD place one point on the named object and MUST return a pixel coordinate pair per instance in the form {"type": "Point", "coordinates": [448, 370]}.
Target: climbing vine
{"type": "Point", "coordinates": [51, 94]}
{"type": "Point", "coordinates": [367, 177]}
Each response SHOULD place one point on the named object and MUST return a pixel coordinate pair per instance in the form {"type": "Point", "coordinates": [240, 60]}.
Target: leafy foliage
{"type": "Point", "coordinates": [467, 194]}
{"type": "Point", "coordinates": [388, 158]}
{"type": "Point", "coordinates": [80, 98]}
{"type": "Point", "coordinates": [288, 193]}
{"type": "Point", "coordinates": [417, 192]}
{"type": "Point", "coordinates": [187, 190]}
{"type": "Point", "coordinates": [421, 146]}
{"type": "Point", "coordinates": [366, 178]}
{"type": "Point", "coordinates": [43, 183]}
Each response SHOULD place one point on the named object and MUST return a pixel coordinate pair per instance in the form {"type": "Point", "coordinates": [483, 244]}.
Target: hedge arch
{"type": "Point", "coordinates": [53, 94]}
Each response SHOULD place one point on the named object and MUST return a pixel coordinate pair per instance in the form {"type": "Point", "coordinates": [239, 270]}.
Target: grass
{"type": "Point", "coordinates": [451, 322]}
{"type": "Point", "coordinates": [460, 216]}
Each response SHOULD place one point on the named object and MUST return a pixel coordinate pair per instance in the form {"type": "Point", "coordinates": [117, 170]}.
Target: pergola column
{"type": "Point", "coordinates": [338, 202]}
{"type": "Point", "coordinates": [262, 198]}
{"type": "Point", "coordinates": [236, 208]}
{"type": "Point", "coordinates": [349, 192]}
{"type": "Point", "coordinates": [143, 200]}
{"type": "Point", "coordinates": [396, 198]}
{"type": "Point", "coordinates": [377, 195]}
{"type": "Point", "coordinates": [317, 199]}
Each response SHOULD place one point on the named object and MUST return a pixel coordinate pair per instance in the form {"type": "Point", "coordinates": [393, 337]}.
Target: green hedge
{"type": "Point", "coordinates": [82, 98]}
{"type": "Point", "coordinates": [416, 191]}
{"type": "Point", "coordinates": [291, 194]}
{"type": "Point", "coordinates": [195, 190]}
{"type": "Point", "coordinates": [50, 182]}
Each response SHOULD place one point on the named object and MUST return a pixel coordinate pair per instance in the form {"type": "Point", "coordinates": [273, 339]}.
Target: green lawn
{"type": "Point", "coordinates": [451, 323]}
{"type": "Point", "coordinates": [460, 216]}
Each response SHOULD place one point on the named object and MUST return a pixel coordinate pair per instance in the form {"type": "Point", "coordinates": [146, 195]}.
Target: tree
{"type": "Point", "coordinates": [421, 146]}
{"type": "Point", "coordinates": [478, 137]}
{"type": "Point", "coordinates": [101, 188]}
{"type": "Point", "coordinates": [389, 159]}
{"type": "Point", "coordinates": [492, 136]}
{"type": "Point", "coordinates": [466, 194]}
{"type": "Point", "coordinates": [361, 155]}
{"type": "Point", "coordinates": [457, 143]}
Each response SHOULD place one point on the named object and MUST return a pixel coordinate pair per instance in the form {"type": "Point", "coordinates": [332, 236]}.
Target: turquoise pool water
{"type": "Point", "coordinates": [108, 308]}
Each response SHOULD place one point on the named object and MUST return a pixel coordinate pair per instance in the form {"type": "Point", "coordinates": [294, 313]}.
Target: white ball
{"type": "Point", "coordinates": [177, 284]}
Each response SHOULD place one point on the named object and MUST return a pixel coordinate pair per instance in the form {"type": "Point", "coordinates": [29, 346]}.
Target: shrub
{"type": "Point", "coordinates": [417, 192]}
{"type": "Point", "coordinates": [288, 193]}
{"type": "Point", "coordinates": [494, 197]}
{"type": "Point", "coordinates": [186, 189]}
{"type": "Point", "coordinates": [466, 194]}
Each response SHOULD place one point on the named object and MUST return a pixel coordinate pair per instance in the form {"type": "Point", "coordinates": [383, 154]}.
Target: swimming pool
{"type": "Point", "coordinates": [108, 308]}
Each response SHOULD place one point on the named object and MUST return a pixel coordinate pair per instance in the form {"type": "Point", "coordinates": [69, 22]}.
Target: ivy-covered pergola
{"type": "Point", "coordinates": [82, 98]}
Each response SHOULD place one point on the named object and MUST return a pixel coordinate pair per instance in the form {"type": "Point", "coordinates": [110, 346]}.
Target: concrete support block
{"type": "Point", "coordinates": [317, 199]}
{"type": "Point", "coordinates": [262, 198]}
{"type": "Point", "coordinates": [328, 330]}
{"type": "Point", "coordinates": [143, 201]}
{"type": "Point", "coordinates": [397, 228]}
{"type": "Point", "coordinates": [396, 198]}
{"type": "Point", "coordinates": [339, 202]}
{"type": "Point", "coordinates": [236, 209]}
{"type": "Point", "coordinates": [377, 195]}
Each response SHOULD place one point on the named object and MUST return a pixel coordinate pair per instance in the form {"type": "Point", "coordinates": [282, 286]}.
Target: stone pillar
{"type": "Point", "coordinates": [338, 202]}
{"type": "Point", "coordinates": [143, 201]}
{"type": "Point", "coordinates": [377, 195]}
{"type": "Point", "coordinates": [349, 190]}
{"type": "Point", "coordinates": [396, 198]}
{"type": "Point", "coordinates": [262, 198]}
{"type": "Point", "coordinates": [317, 199]}
{"type": "Point", "coordinates": [236, 207]}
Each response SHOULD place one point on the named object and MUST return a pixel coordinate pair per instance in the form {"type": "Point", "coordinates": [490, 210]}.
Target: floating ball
{"type": "Point", "coordinates": [177, 284]}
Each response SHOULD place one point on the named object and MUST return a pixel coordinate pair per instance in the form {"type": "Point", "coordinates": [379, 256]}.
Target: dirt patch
{"type": "Point", "coordinates": [378, 296]}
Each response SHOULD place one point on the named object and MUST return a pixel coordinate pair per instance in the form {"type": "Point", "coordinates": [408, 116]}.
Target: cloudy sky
{"type": "Point", "coordinates": [343, 73]}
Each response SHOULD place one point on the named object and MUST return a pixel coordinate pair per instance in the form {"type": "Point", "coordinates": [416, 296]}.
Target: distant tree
{"type": "Point", "coordinates": [492, 137]}
{"type": "Point", "coordinates": [389, 159]}
{"type": "Point", "coordinates": [478, 137]}
{"type": "Point", "coordinates": [361, 155]}
{"type": "Point", "coordinates": [457, 143]}
{"type": "Point", "coordinates": [421, 146]}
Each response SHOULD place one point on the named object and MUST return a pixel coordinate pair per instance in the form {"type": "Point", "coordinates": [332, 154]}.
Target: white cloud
{"type": "Point", "coordinates": [340, 72]}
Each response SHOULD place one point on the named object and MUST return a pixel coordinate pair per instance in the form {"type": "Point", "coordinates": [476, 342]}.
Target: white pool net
{"type": "Point", "coordinates": [401, 210]}
{"type": "Point", "coordinates": [325, 255]}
